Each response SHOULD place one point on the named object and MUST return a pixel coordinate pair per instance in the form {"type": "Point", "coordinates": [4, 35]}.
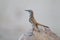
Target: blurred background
{"type": "Point", "coordinates": [14, 19]}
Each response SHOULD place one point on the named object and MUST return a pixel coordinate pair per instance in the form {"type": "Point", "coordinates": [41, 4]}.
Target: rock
{"type": "Point", "coordinates": [46, 34]}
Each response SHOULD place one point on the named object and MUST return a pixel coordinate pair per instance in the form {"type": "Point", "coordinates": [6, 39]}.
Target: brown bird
{"type": "Point", "coordinates": [33, 21]}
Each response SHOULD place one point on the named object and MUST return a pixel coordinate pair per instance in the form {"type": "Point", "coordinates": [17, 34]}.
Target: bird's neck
{"type": "Point", "coordinates": [31, 15]}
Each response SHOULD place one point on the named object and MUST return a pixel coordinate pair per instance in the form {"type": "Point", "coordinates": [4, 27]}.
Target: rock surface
{"type": "Point", "coordinates": [46, 34]}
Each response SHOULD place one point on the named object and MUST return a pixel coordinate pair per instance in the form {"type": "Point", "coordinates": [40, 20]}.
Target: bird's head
{"type": "Point", "coordinates": [30, 11]}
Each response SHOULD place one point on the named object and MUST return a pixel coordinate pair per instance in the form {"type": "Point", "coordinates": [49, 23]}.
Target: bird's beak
{"type": "Point", "coordinates": [26, 10]}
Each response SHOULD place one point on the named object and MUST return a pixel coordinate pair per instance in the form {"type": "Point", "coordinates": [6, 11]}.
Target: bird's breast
{"type": "Point", "coordinates": [30, 20]}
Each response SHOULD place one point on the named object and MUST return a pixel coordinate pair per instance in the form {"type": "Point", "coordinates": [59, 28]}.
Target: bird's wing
{"type": "Point", "coordinates": [42, 25]}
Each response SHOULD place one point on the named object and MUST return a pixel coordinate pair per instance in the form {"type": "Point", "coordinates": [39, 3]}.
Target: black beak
{"type": "Point", "coordinates": [26, 10]}
{"type": "Point", "coordinates": [29, 11]}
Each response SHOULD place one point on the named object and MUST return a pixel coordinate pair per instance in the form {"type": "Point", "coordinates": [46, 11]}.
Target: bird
{"type": "Point", "coordinates": [33, 21]}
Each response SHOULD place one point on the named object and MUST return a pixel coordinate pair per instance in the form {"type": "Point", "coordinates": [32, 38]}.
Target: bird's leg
{"type": "Point", "coordinates": [35, 28]}
{"type": "Point", "coordinates": [32, 29]}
